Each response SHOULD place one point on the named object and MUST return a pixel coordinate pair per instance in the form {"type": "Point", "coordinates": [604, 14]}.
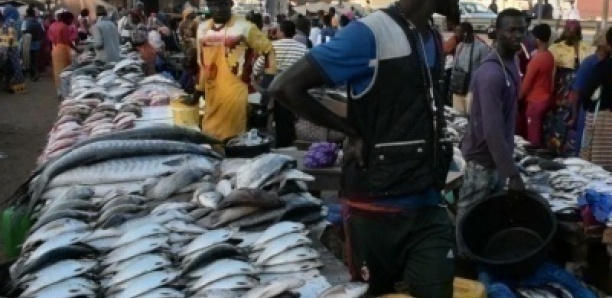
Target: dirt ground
{"type": "Point", "coordinates": [25, 120]}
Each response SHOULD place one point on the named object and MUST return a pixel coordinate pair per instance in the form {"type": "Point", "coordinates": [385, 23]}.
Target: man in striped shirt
{"type": "Point", "coordinates": [288, 51]}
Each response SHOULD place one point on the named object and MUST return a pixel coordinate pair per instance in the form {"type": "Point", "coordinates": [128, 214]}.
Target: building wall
{"type": "Point", "coordinates": [593, 9]}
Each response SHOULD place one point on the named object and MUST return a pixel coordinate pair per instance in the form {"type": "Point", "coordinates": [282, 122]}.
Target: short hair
{"type": "Point", "coordinates": [303, 24]}
{"type": "Point", "coordinates": [327, 20]}
{"type": "Point", "coordinates": [542, 32]}
{"type": "Point", "coordinates": [332, 10]}
{"type": "Point", "coordinates": [288, 28]}
{"type": "Point", "coordinates": [85, 12]}
{"type": "Point", "coordinates": [30, 12]}
{"type": "Point", "coordinates": [609, 36]}
{"type": "Point", "coordinates": [510, 12]}
{"type": "Point", "coordinates": [467, 28]}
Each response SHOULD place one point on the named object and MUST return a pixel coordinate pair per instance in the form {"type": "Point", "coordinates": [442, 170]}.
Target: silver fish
{"type": "Point", "coordinates": [84, 216]}
{"type": "Point", "coordinates": [251, 197]}
{"type": "Point", "coordinates": [302, 266]}
{"type": "Point", "coordinates": [208, 199]}
{"type": "Point", "coordinates": [162, 293]}
{"type": "Point", "coordinates": [292, 255]}
{"type": "Point", "coordinates": [146, 282]}
{"type": "Point", "coordinates": [220, 218]}
{"type": "Point", "coordinates": [182, 237]}
{"type": "Point", "coordinates": [74, 193]}
{"type": "Point", "coordinates": [161, 218]}
{"type": "Point", "coordinates": [218, 294]}
{"type": "Point", "coordinates": [237, 282]}
{"type": "Point", "coordinates": [136, 248]}
{"type": "Point", "coordinates": [277, 230]}
{"type": "Point", "coordinates": [72, 205]}
{"type": "Point", "coordinates": [52, 230]}
{"type": "Point", "coordinates": [66, 239]}
{"type": "Point", "coordinates": [255, 174]}
{"type": "Point", "coordinates": [281, 244]}
{"type": "Point", "coordinates": [179, 226]}
{"type": "Point", "coordinates": [105, 150]}
{"type": "Point", "coordinates": [129, 169]}
{"type": "Point", "coordinates": [103, 233]}
{"type": "Point", "coordinates": [206, 240]}
{"type": "Point", "coordinates": [208, 255]}
{"type": "Point", "coordinates": [139, 267]}
{"type": "Point", "coordinates": [103, 244]}
{"type": "Point", "coordinates": [120, 266]}
{"type": "Point", "coordinates": [141, 232]}
{"type": "Point", "coordinates": [275, 287]}
{"type": "Point", "coordinates": [173, 205]}
{"type": "Point", "coordinates": [224, 187]}
{"type": "Point", "coordinates": [200, 213]}
{"type": "Point", "coordinates": [75, 287]}
{"type": "Point", "coordinates": [173, 183]}
{"type": "Point", "coordinates": [121, 209]}
{"type": "Point", "coordinates": [220, 270]}
{"type": "Point", "coordinates": [124, 199]}
{"type": "Point", "coordinates": [348, 290]}
{"type": "Point", "coordinates": [57, 272]}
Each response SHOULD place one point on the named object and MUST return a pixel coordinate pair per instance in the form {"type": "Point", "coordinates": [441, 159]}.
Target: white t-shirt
{"type": "Point", "coordinates": [573, 14]}
{"type": "Point", "coordinates": [155, 40]}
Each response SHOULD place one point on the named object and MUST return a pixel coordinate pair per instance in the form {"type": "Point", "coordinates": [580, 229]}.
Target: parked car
{"type": "Point", "coordinates": [479, 15]}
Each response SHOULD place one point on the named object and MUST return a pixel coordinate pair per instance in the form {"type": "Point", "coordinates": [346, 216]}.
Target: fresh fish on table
{"type": "Point", "coordinates": [204, 257]}
{"type": "Point", "coordinates": [123, 199]}
{"type": "Point", "coordinates": [70, 288]}
{"type": "Point", "coordinates": [130, 169]}
{"type": "Point", "coordinates": [222, 269]}
{"type": "Point", "coordinates": [105, 150]}
{"type": "Point", "coordinates": [291, 255]}
{"type": "Point", "coordinates": [301, 266]}
{"type": "Point", "coordinates": [133, 249]}
{"type": "Point", "coordinates": [57, 272]}
{"type": "Point", "coordinates": [121, 209]}
{"type": "Point", "coordinates": [207, 198]}
{"type": "Point", "coordinates": [163, 293]}
{"type": "Point", "coordinates": [145, 283]}
{"type": "Point", "coordinates": [206, 240]}
{"type": "Point", "coordinates": [262, 168]}
{"type": "Point", "coordinates": [274, 288]}
{"type": "Point", "coordinates": [84, 216]}
{"type": "Point", "coordinates": [140, 267]}
{"type": "Point", "coordinates": [277, 230]}
{"type": "Point", "coordinates": [179, 179]}
{"type": "Point", "coordinates": [144, 231]}
{"type": "Point", "coordinates": [52, 230]}
{"type": "Point", "coordinates": [348, 290]}
{"type": "Point", "coordinates": [22, 267]}
{"type": "Point", "coordinates": [237, 282]}
{"type": "Point", "coordinates": [253, 221]}
{"type": "Point", "coordinates": [251, 197]}
{"type": "Point", "coordinates": [184, 206]}
{"type": "Point", "coordinates": [278, 245]}
{"type": "Point", "coordinates": [62, 240]}
{"type": "Point", "coordinates": [218, 294]}
{"type": "Point", "coordinates": [220, 218]}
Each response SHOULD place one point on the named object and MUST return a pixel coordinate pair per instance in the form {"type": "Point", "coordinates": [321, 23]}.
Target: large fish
{"type": "Point", "coordinates": [302, 266]}
{"type": "Point", "coordinates": [251, 197]}
{"type": "Point", "coordinates": [277, 230]}
{"type": "Point", "coordinates": [131, 169]}
{"type": "Point", "coordinates": [348, 290]}
{"type": "Point", "coordinates": [206, 240]}
{"type": "Point", "coordinates": [105, 150]}
{"type": "Point", "coordinates": [136, 248]}
{"type": "Point", "coordinates": [237, 282]}
{"type": "Point", "coordinates": [52, 230]}
{"type": "Point", "coordinates": [181, 178]}
{"type": "Point", "coordinates": [291, 255]}
{"type": "Point", "coordinates": [70, 288]}
{"type": "Point", "coordinates": [208, 255]}
{"type": "Point", "coordinates": [222, 269]}
{"type": "Point", "coordinates": [264, 167]}
{"type": "Point", "coordinates": [57, 272]}
{"type": "Point", "coordinates": [141, 232]}
{"type": "Point", "coordinates": [220, 218]}
{"type": "Point", "coordinates": [22, 267]}
{"type": "Point", "coordinates": [253, 221]}
{"type": "Point", "coordinates": [274, 288]}
{"type": "Point", "coordinates": [281, 244]}
{"type": "Point", "coordinates": [145, 283]}
{"type": "Point", "coordinates": [138, 268]}
{"type": "Point", "coordinates": [163, 293]}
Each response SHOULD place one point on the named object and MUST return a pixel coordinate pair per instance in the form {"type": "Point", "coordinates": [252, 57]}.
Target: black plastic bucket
{"type": "Point", "coordinates": [508, 237]}
{"type": "Point", "coordinates": [249, 151]}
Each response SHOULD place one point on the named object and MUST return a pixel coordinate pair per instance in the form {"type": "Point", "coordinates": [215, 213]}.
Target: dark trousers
{"type": "Point", "coordinates": [33, 68]}
{"type": "Point", "coordinates": [411, 252]}
{"type": "Point", "coordinates": [283, 118]}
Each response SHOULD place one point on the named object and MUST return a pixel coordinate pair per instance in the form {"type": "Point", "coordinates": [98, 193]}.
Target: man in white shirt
{"type": "Point", "coordinates": [573, 13]}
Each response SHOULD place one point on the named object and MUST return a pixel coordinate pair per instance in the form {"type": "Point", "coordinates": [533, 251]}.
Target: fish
{"type": "Point", "coordinates": [182, 238]}
{"type": "Point", "coordinates": [274, 288]}
{"type": "Point", "coordinates": [179, 179]}
{"type": "Point", "coordinates": [237, 282]}
{"type": "Point", "coordinates": [104, 150]}
{"type": "Point", "coordinates": [174, 205]}
{"type": "Point", "coordinates": [222, 269]}
{"type": "Point", "coordinates": [72, 205]}
{"type": "Point", "coordinates": [261, 217]}
{"type": "Point", "coordinates": [179, 226]}
{"type": "Point", "coordinates": [103, 244]}
{"type": "Point", "coordinates": [52, 230]}
{"type": "Point", "coordinates": [57, 272]}
{"type": "Point", "coordinates": [143, 231]}
{"type": "Point", "coordinates": [74, 193]}
{"type": "Point", "coordinates": [218, 294]}
{"type": "Point", "coordinates": [281, 244]}
{"type": "Point", "coordinates": [262, 168]}
{"type": "Point", "coordinates": [347, 290]}
{"type": "Point", "coordinates": [62, 240]}
{"type": "Point", "coordinates": [206, 240]}
{"type": "Point", "coordinates": [75, 287]}
{"type": "Point", "coordinates": [220, 218]}
{"type": "Point", "coordinates": [224, 187]}
{"type": "Point", "coordinates": [124, 199]}
{"type": "Point", "coordinates": [151, 257]}
{"type": "Point", "coordinates": [206, 198]}
{"type": "Point", "coordinates": [296, 254]}
{"type": "Point", "coordinates": [129, 169]}
{"type": "Point", "coordinates": [199, 213]}
{"type": "Point", "coordinates": [145, 283]}
{"type": "Point", "coordinates": [161, 217]}
{"type": "Point", "coordinates": [121, 209]}
{"type": "Point", "coordinates": [102, 233]}
{"type": "Point", "coordinates": [251, 197]}
{"type": "Point", "coordinates": [162, 293]}
{"type": "Point", "coordinates": [84, 216]}
{"type": "Point", "coordinates": [204, 184]}
{"type": "Point", "coordinates": [230, 166]}
{"type": "Point", "coordinates": [22, 267]}
{"type": "Point", "coordinates": [139, 267]}
{"type": "Point", "coordinates": [204, 257]}
{"type": "Point", "coordinates": [277, 230]}
{"type": "Point", "coordinates": [145, 245]}
{"type": "Point", "coordinates": [119, 219]}
{"type": "Point", "coordinates": [301, 266]}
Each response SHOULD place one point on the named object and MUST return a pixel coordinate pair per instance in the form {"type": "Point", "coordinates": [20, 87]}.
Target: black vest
{"type": "Point", "coordinates": [400, 116]}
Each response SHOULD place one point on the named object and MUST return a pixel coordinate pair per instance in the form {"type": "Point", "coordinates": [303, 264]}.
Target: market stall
{"type": "Point", "coordinates": [123, 203]}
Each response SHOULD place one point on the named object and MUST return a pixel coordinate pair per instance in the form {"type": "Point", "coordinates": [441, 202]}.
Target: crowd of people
{"type": "Point", "coordinates": [555, 102]}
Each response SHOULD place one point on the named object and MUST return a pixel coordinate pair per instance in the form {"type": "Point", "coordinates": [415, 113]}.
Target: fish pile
{"type": "Point", "coordinates": [79, 119]}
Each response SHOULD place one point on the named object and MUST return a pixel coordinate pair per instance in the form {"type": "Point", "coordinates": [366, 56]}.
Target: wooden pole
{"type": "Point", "coordinates": [540, 10]}
{"type": "Point", "coordinates": [604, 19]}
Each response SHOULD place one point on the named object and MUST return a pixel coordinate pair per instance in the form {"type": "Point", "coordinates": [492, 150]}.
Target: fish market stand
{"type": "Point", "coordinates": [116, 184]}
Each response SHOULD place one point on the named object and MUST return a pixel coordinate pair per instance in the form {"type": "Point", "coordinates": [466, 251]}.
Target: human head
{"type": "Point", "coordinates": [85, 12]}
{"type": "Point", "coordinates": [327, 20]}
{"type": "Point", "coordinates": [221, 10]}
{"type": "Point", "coordinates": [447, 8]}
{"type": "Point", "coordinates": [467, 31]}
{"type": "Point", "coordinates": [344, 21]}
{"type": "Point", "coordinates": [545, 1]}
{"type": "Point", "coordinates": [572, 32]}
{"type": "Point", "coordinates": [30, 12]}
{"type": "Point", "coordinates": [257, 19]}
{"type": "Point", "coordinates": [139, 6]}
{"type": "Point", "coordinates": [135, 17]}
{"type": "Point", "coordinates": [267, 20]}
{"type": "Point", "coordinates": [286, 30]}
{"type": "Point", "coordinates": [66, 17]}
{"type": "Point", "coordinates": [510, 29]}
{"type": "Point", "coordinates": [542, 33]}
{"type": "Point", "coordinates": [303, 24]}
{"type": "Point", "coordinates": [100, 11]}
{"type": "Point", "coordinates": [332, 11]}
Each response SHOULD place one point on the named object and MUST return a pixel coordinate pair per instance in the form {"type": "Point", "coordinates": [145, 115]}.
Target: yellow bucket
{"type": "Point", "coordinates": [184, 115]}
{"type": "Point", "coordinates": [465, 288]}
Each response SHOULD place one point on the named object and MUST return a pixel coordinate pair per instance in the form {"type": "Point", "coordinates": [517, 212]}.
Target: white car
{"type": "Point", "coordinates": [479, 15]}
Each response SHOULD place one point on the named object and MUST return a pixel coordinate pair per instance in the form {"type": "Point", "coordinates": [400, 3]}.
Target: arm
{"type": "Point", "coordinates": [595, 81]}
{"type": "Point", "coordinates": [345, 59]}
{"type": "Point", "coordinates": [450, 45]}
{"type": "Point", "coordinates": [530, 77]}
{"type": "Point", "coordinates": [490, 91]}
{"type": "Point", "coordinates": [257, 41]}
{"type": "Point", "coordinates": [98, 41]}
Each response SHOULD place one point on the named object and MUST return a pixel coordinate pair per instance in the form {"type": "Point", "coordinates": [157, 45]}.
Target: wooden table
{"type": "Point", "coordinates": [328, 179]}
